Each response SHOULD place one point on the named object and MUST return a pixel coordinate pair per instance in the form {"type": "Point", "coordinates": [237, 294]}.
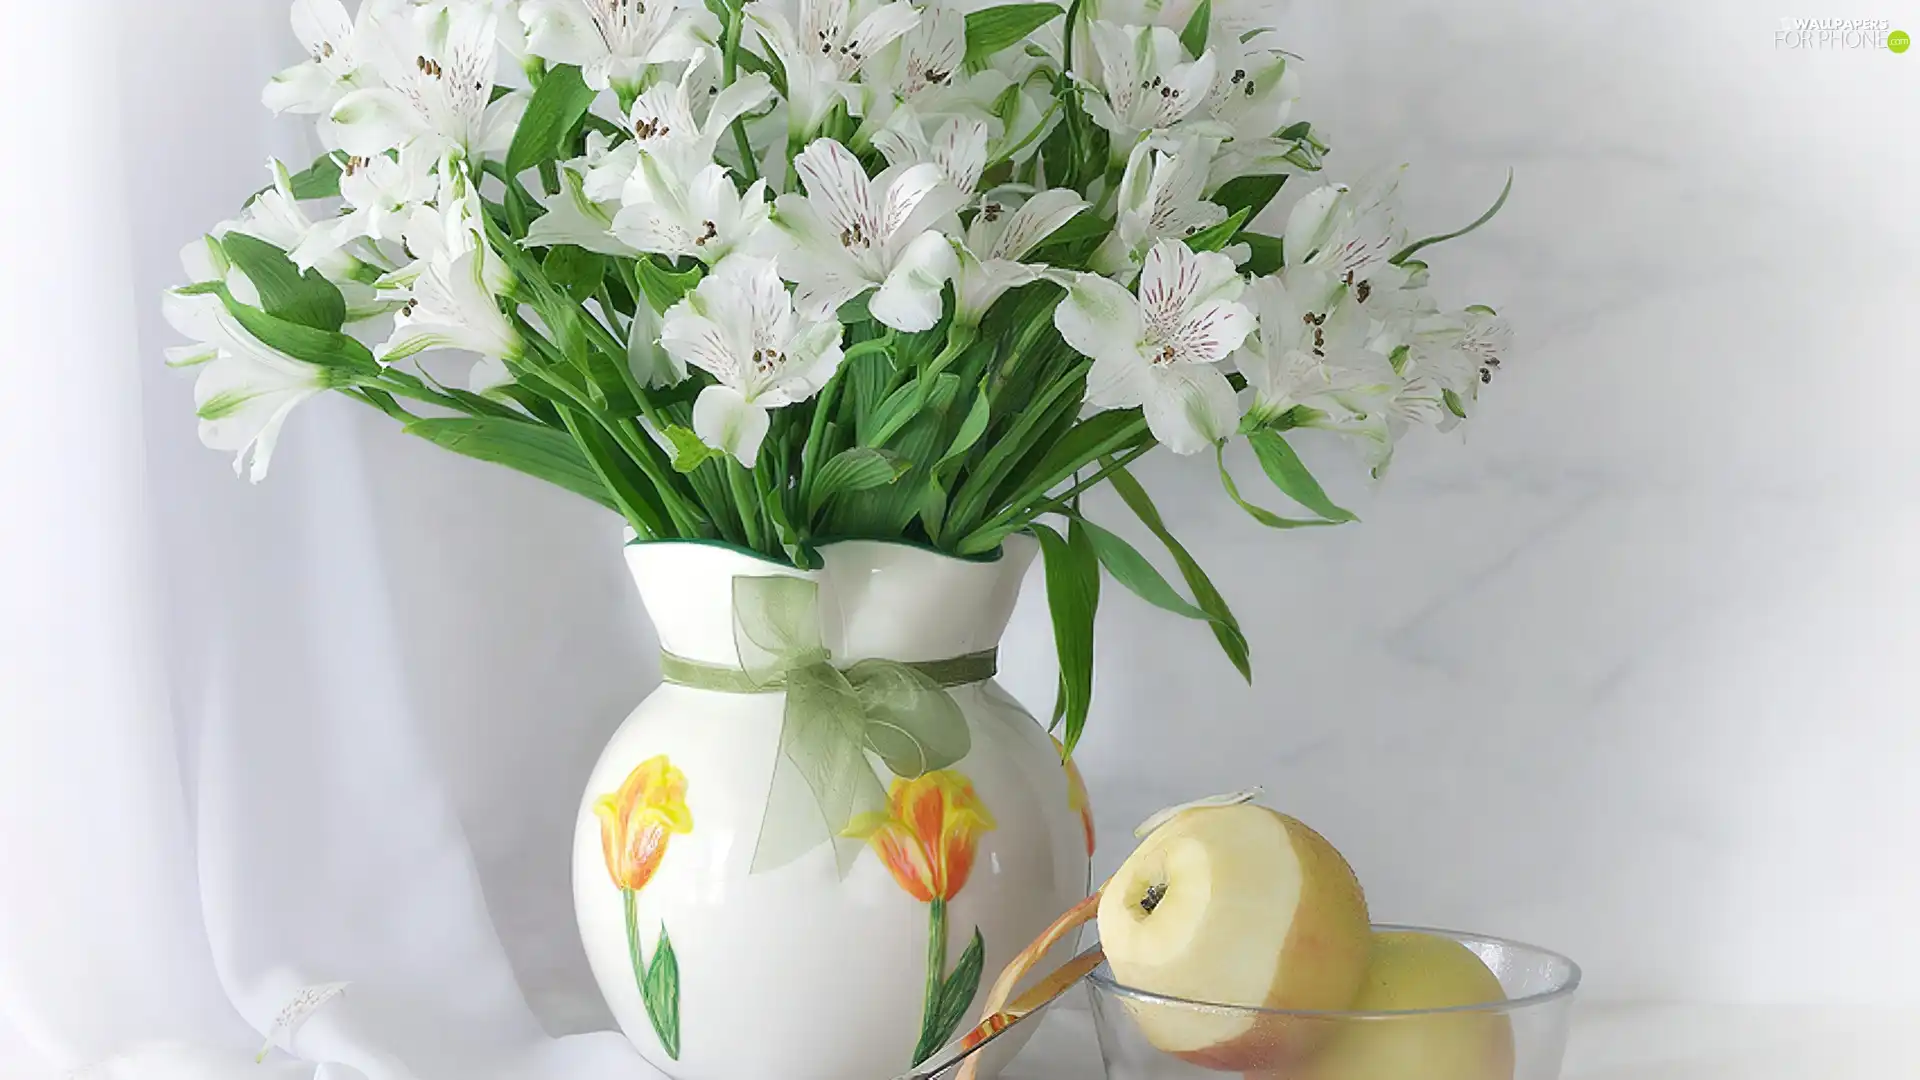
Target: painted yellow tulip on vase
{"type": "Point", "coordinates": [637, 820]}
{"type": "Point", "coordinates": [635, 824]}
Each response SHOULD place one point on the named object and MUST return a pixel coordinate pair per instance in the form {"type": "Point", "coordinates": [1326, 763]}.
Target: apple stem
{"type": "Point", "coordinates": [1155, 894]}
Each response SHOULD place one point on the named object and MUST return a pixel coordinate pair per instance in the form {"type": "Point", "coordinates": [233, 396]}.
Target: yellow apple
{"type": "Point", "coordinates": [1235, 905]}
{"type": "Point", "coordinates": [1413, 971]}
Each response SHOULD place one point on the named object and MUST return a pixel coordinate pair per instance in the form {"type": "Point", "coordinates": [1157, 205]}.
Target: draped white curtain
{"type": "Point", "coordinates": [1629, 673]}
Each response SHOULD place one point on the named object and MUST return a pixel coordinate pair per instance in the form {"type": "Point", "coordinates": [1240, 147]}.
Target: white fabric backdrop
{"type": "Point", "coordinates": [1628, 673]}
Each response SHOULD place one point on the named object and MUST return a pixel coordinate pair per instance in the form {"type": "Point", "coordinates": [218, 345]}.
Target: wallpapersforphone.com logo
{"type": "Point", "coordinates": [1809, 35]}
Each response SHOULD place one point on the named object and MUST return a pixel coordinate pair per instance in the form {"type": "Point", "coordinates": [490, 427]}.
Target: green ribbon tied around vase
{"type": "Point", "coordinates": [834, 717]}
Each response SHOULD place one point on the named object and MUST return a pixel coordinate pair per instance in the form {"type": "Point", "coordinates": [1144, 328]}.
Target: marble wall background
{"type": "Point", "coordinates": [1630, 670]}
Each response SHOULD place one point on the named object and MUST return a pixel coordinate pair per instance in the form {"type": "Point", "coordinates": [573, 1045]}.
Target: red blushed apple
{"type": "Point", "coordinates": [1235, 905]}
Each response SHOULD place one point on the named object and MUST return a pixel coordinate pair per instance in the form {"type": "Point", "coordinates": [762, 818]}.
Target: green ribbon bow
{"type": "Point", "coordinates": [834, 717]}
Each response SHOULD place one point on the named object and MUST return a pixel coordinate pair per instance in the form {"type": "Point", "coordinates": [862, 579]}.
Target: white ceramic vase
{"type": "Point", "coordinates": [718, 972]}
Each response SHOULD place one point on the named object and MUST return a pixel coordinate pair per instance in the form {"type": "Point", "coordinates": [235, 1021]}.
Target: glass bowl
{"type": "Point", "coordinates": [1521, 1038]}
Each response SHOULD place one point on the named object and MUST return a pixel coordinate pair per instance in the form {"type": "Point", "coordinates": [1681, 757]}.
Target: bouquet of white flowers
{"type": "Point", "coordinates": [774, 271]}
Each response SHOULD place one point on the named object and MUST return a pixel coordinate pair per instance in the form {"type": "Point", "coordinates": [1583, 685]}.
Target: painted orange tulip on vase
{"type": "Point", "coordinates": [927, 838]}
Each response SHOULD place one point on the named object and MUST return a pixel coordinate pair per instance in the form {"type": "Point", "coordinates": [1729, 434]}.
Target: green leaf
{"type": "Point", "coordinates": [1454, 404]}
{"type": "Point", "coordinates": [552, 114]}
{"type": "Point", "coordinates": [661, 990]}
{"type": "Point", "coordinates": [285, 293]}
{"type": "Point", "coordinates": [321, 180]}
{"type": "Point", "coordinates": [1249, 193]}
{"type": "Point", "coordinates": [689, 453]}
{"type": "Point", "coordinates": [1269, 255]}
{"type": "Point", "coordinates": [537, 451]}
{"type": "Point", "coordinates": [640, 505]}
{"type": "Point", "coordinates": [770, 66]}
{"type": "Point", "coordinates": [1219, 235]}
{"type": "Point", "coordinates": [1194, 37]}
{"type": "Point", "coordinates": [957, 992]}
{"type": "Point", "coordinates": [979, 414]}
{"type": "Point", "coordinates": [859, 469]}
{"type": "Point", "coordinates": [1102, 433]}
{"type": "Point", "coordinates": [664, 288]}
{"type": "Point", "coordinates": [1259, 513]}
{"type": "Point", "coordinates": [1290, 475]}
{"type": "Point", "coordinates": [328, 348]}
{"type": "Point", "coordinates": [1086, 225]}
{"type": "Point", "coordinates": [1130, 568]}
{"type": "Point", "coordinates": [992, 29]}
{"type": "Point", "coordinates": [1226, 628]}
{"type": "Point", "coordinates": [575, 270]}
{"type": "Point", "coordinates": [1405, 253]}
{"type": "Point", "coordinates": [1073, 598]}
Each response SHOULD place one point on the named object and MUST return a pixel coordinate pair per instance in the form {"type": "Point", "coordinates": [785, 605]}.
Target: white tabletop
{"type": "Point", "coordinates": [1632, 1042]}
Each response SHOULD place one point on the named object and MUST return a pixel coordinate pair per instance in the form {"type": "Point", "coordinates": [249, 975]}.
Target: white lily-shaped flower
{"type": "Point", "coordinates": [850, 234]}
{"type": "Point", "coordinates": [337, 47]}
{"type": "Point", "coordinates": [575, 217]}
{"type": "Point", "coordinates": [1002, 234]}
{"type": "Point", "coordinates": [1348, 232]}
{"type": "Point", "coordinates": [1159, 198]}
{"type": "Point", "coordinates": [739, 325]}
{"type": "Point", "coordinates": [245, 389]}
{"type": "Point", "coordinates": [1252, 100]}
{"type": "Point", "coordinates": [614, 41]}
{"type": "Point", "coordinates": [1147, 84]}
{"type": "Point", "coordinates": [380, 195]}
{"type": "Point", "coordinates": [678, 200]}
{"type": "Point", "coordinates": [277, 217]}
{"type": "Point", "coordinates": [823, 44]}
{"type": "Point", "coordinates": [450, 307]}
{"type": "Point", "coordinates": [436, 71]}
{"type": "Point", "coordinates": [1460, 352]}
{"type": "Point", "coordinates": [1312, 350]}
{"type": "Point", "coordinates": [919, 63]}
{"type": "Point", "coordinates": [959, 148]}
{"type": "Point", "coordinates": [451, 226]}
{"type": "Point", "coordinates": [1161, 351]}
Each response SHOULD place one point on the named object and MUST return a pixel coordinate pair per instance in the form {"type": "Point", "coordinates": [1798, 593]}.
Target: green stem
{"type": "Point", "coordinates": [633, 940]}
{"type": "Point", "coordinates": [936, 978]}
{"type": "Point", "coordinates": [729, 68]}
{"type": "Point", "coordinates": [1021, 506]}
{"type": "Point", "coordinates": [1067, 496]}
{"type": "Point", "coordinates": [741, 480]}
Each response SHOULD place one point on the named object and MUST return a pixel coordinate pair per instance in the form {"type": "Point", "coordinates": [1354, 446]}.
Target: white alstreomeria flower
{"type": "Point", "coordinates": [337, 47]}
{"type": "Point", "coordinates": [380, 194]}
{"type": "Point", "coordinates": [678, 200]}
{"type": "Point", "coordinates": [245, 389]}
{"type": "Point", "coordinates": [450, 292]}
{"type": "Point", "coordinates": [850, 234]}
{"type": "Point", "coordinates": [1347, 232]}
{"type": "Point", "coordinates": [1160, 352]}
{"type": "Point", "coordinates": [1147, 84]}
{"type": "Point", "coordinates": [613, 41]}
{"type": "Point", "coordinates": [1312, 350]}
{"type": "Point", "coordinates": [822, 52]}
{"type": "Point", "coordinates": [739, 326]}
{"type": "Point", "coordinates": [436, 67]}
{"type": "Point", "coordinates": [1159, 197]}
{"type": "Point", "coordinates": [999, 236]}
{"type": "Point", "coordinates": [959, 148]}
